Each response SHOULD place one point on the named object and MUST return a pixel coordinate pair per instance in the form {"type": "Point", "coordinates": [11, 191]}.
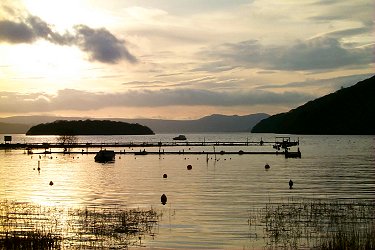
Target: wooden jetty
{"type": "Point", "coordinates": [145, 144]}
{"type": "Point", "coordinates": [165, 147]}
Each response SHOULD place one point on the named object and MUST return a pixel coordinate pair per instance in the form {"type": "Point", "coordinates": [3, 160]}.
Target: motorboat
{"type": "Point", "coordinates": [179, 138]}
{"type": "Point", "coordinates": [105, 156]}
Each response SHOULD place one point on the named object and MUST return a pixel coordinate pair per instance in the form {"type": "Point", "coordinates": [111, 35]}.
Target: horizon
{"type": "Point", "coordinates": [123, 118]}
{"type": "Point", "coordinates": [178, 60]}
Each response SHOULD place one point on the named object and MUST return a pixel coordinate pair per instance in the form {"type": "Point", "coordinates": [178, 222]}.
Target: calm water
{"type": "Point", "coordinates": [208, 207]}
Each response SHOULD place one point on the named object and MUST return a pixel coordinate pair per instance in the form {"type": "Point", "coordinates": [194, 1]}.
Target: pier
{"type": "Point", "coordinates": [280, 146]}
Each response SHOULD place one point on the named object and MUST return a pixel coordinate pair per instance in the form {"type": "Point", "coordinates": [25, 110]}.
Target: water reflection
{"type": "Point", "coordinates": [31, 226]}
{"type": "Point", "coordinates": [208, 206]}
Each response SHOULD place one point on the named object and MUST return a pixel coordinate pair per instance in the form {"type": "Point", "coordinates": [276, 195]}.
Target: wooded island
{"type": "Point", "coordinates": [89, 127]}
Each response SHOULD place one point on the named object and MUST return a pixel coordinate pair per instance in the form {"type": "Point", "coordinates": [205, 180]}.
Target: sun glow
{"type": "Point", "coordinates": [44, 62]}
{"type": "Point", "coordinates": [63, 15]}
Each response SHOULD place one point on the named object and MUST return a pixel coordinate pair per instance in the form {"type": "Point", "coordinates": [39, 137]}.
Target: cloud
{"type": "Point", "coordinates": [332, 83]}
{"type": "Point", "coordinates": [359, 10]}
{"type": "Point", "coordinates": [13, 32]}
{"type": "Point", "coordinates": [99, 44]}
{"type": "Point", "coordinates": [321, 53]}
{"type": "Point", "coordinates": [70, 99]}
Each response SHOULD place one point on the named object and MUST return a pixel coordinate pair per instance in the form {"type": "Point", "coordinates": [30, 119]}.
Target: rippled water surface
{"type": "Point", "coordinates": [208, 207]}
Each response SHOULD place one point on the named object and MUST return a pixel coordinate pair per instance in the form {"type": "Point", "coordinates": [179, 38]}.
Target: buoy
{"type": "Point", "coordinates": [51, 183]}
{"type": "Point", "coordinates": [290, 184]}
{"type": "Point", "coordinates": [163, 199]}
{"type": "Point", "coordinates": [165, 175]}
{"type": "Point", "coordinates": [267, 166]}
{"type": "Point", "coordinates": [189, 167]}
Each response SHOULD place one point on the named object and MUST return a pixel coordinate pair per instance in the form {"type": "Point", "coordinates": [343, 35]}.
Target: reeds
{"type": "Point", "coordinates": [322, 224]}
{"type": "Point", "coordinates": [30, 226]}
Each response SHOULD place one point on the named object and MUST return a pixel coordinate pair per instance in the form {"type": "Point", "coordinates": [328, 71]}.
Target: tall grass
{"type": "Point", "coordinates": [321, 224]}
{"type": "Point", "coordinates": [30, 226]}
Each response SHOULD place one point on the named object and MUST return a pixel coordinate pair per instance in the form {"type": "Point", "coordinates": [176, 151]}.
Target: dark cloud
{"type": "Point", "coordinates": [70, 99]}
{"type": "Point", "coordinates": [100, 44]}
{"type": "Point", "coordinates": [320, 53]}
{"type": "Point", "coordinates": [12, 32]}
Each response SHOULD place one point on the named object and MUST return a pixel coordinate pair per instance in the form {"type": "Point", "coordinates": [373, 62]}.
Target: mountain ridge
{"type": "Point", "coordinates": [349, 110]}
{"type": "Point", "coordinates": [211, 123]}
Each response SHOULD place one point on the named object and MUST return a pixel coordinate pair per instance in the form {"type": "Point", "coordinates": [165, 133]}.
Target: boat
{"type": "Point", "coordinates": [143, 152]}
{"type": "Point", "coordinates": [105, 156]}
{"type": "Point", "coordinates": [179, 138]}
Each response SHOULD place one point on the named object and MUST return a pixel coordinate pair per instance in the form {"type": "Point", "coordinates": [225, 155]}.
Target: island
{"type": "Point", "coordinates": [89, 127]}
{"type": "Point", "coordinates": [348, 111]}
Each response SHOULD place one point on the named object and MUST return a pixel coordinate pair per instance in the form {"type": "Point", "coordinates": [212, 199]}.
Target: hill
{"type": "Point", "coordinates": [349, 110]}
{"type": "Point", "coordinates": [214, 123]}
{"type": "Point", "coordinates": [13, 128]}
{"type": "Point", "coordinates": [89, 127]}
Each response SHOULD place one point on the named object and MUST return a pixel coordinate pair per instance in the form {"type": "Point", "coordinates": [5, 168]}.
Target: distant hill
{"type": "Point", "coordinates": [349, 110]}
{"type": "Point", "coordinates": [13, 128]}
{"type": "Point", "coordinates": [214, 123]}
{"type": "Point", "coordinates": [89, 127]}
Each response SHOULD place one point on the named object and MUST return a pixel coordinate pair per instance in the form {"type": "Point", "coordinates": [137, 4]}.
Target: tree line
{"type": "Point", "coordinates": [89, 127]}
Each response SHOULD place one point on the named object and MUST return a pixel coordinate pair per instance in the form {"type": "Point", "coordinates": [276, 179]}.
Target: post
{"type": "Point", "coordinates": [7, 139]}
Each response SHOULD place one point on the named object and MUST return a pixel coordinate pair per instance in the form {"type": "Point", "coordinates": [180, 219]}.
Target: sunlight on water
{"type": "Point", "coordinates": [207, 206]}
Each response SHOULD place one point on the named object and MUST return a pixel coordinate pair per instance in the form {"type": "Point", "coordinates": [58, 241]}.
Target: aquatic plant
{"type": "Point", "coordinates": [317, 223]}
{"type": "Point", "coordinates": [27, 226]}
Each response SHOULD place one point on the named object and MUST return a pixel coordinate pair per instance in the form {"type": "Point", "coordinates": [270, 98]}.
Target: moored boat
{"type": "Point", "coordinates": [179, 138]}
{"type": "Point", "coordinates": [143, 152]}
{"type": "Point", "coordinates": [105, 156]}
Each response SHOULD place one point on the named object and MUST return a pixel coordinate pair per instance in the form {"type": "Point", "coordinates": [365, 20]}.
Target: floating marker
{"type": "Point", "coordinates": [163, 199]}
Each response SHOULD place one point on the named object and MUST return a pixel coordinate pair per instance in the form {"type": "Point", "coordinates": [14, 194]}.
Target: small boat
{"type": "Point", "coordinates": [105, 156]}
{"type": "Point", "coordinates": [179, 138]}
{"type": "Point", "coordinates": [143, 152]}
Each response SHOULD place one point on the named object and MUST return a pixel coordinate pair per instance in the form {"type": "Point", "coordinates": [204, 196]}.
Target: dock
{"type": "Point", "coordinates": [280, 146]}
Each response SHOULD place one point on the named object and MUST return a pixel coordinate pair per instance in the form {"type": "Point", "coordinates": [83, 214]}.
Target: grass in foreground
{"type": "Point", "coordinates": [30, 226]}
{"type": "Point", "coordinates": [321, 224]}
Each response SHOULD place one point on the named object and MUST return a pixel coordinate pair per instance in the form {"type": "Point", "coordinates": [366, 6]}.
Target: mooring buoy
{"type": "Point", "coordinates": [51, 183]}
{"type": "Point", "coordinates": [165, 176]}
{"type": "Point", "coordinates": [163, 199]}
{"type": "Point", "coordinates": [189, 167]}
{"type": "Point", "coordinates": [267, 166]}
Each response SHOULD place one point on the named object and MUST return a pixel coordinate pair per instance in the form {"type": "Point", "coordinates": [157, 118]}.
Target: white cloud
{"type": "Point", "coordinates": [70, 99]}
{"type": "Point", "coordinates": [322, 53]}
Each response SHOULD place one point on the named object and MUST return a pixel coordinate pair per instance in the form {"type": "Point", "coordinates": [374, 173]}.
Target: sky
{"type": "Point", "coordinates": [179, 59]}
